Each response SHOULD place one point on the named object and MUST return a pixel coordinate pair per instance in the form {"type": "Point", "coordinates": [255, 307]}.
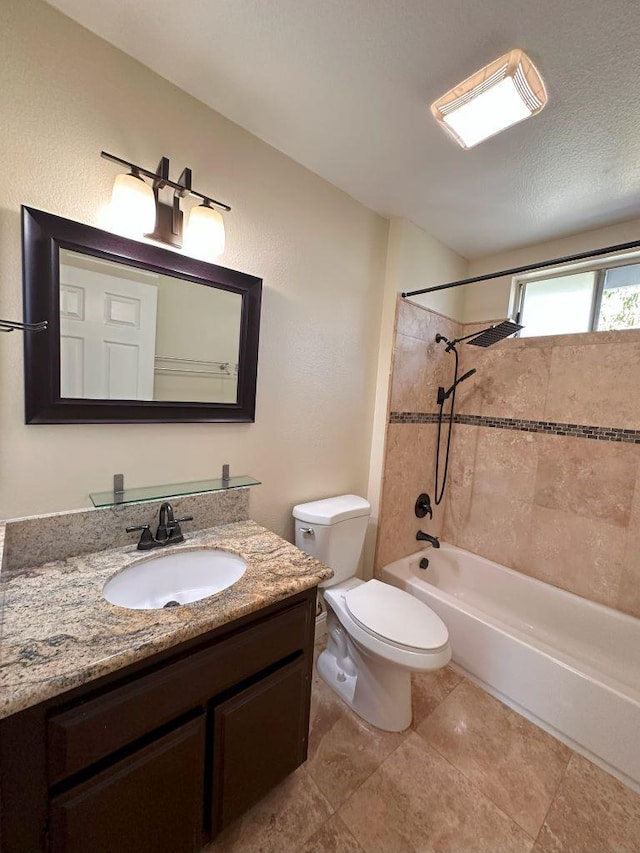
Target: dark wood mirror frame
{"type": "Point", "coordinates": [43, 235]}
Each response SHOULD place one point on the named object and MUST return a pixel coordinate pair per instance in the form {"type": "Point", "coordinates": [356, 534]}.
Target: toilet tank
{"type": "Point", "coordinates": [333, 530]}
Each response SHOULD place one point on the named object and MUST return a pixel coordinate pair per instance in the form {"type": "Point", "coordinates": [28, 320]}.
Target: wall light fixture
{"type": "Point", "coordinates": [137, 208]}
{"type": "Point", "coordinates": [501, 94]}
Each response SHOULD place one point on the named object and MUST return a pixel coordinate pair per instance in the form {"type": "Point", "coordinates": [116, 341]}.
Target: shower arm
{"type": "Point", "coordinates": [472, 335]}
{"type": "Point", "coordinates": [453, 344]}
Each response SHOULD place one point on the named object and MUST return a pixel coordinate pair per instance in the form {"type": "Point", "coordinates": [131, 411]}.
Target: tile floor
{"type": "Point", "coordinates": [469, 775]}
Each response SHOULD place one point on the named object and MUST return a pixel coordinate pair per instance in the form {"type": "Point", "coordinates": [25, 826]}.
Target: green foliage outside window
{"type": "Point", "coordinates": [620, 309]}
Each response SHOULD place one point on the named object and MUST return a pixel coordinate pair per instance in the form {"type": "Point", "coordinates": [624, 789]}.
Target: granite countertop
{"type": "Point", "coordinates": [57, 631]}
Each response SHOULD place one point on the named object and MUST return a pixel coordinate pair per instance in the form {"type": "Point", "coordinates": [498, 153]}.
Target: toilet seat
{"type": "Point", "coordinates": [395, 617]}
{"type": "Point", "coordinates": [368, 669]}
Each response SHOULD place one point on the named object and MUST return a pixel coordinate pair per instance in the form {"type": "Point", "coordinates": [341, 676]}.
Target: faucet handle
{"type": "Point", "coordinates": [423, 506]}
{"type": "Point", "coordinates": [146, 538]}
{"type": "Point", "coordinates": [173, 531]}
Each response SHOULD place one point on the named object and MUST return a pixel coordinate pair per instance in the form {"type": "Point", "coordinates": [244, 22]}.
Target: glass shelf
{"type": "Point", "coordinates": [172, 490]}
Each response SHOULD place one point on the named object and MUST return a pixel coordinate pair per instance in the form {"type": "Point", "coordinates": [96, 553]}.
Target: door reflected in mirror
{"type": "Point", "coordinates": [132, 334]}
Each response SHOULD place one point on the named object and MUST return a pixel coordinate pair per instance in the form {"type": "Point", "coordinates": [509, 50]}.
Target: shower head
{"type": "Point", "coordinates": [466, 375]}
{"type": "Point", "coordinates": [444, 395]}
{"type": "Point", "coordinates": [483, 338]}
{"type": "Point", "coordinates": [493, 334]}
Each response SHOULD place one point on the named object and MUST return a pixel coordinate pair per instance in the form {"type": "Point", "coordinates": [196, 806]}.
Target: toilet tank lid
{"type": "Point", "coordinates": [332, 510]}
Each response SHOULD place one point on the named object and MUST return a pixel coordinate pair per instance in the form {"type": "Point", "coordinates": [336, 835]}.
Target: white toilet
{"type": "Point", "coordinates": [377, 634]}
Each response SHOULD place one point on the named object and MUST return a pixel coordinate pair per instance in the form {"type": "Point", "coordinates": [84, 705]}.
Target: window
{"type": "Point", "coordinates": [619, 306]}
{"type": "Point", "coordinates": [591, 300]}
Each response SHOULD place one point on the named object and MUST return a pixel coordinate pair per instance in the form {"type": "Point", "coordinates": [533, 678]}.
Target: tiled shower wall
{"type": "Point", "coordinates": [419, 366]}
{"type": "Point", "coordinates": [544, 474]}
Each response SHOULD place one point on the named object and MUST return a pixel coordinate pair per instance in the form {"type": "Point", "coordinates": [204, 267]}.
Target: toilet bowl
{"type": "Point", "coordinates": [377, 634]}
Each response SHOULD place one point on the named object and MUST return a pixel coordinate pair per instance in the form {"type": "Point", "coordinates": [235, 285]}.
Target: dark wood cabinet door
{"type": "Point", "coordinates": [259, 737]}
{"type": "Point", "coordinates": [81, 735]}
{"type": "Point", "coordinates": [149, 802]}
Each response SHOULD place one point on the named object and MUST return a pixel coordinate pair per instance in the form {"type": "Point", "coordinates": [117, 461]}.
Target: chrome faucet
{"type": "Point", "coordinates": [427, 537]}
{"type": "Point", "coordinates": [168, 531]}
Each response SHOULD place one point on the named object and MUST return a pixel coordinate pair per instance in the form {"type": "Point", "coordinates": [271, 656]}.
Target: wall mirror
{"type": "Point", "coordinates": [136, 333]}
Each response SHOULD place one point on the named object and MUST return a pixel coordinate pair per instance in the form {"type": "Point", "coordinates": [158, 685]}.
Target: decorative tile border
{"type": "Point", "coordinates": [598, 433]}
{"type": "Point", "coordinates": [413, 418]}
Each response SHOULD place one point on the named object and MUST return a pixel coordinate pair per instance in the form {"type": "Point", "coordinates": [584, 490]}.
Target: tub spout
{"type": "Point", "coordinates": [426, 537]}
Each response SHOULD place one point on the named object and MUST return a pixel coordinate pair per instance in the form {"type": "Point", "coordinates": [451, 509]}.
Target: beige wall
{"type": "Point", "coordinates": [492, 299]}
{"type": "Point", "coordinates": [66, 95]}
{"type": "Point", "coordinates": [419, 367]}
{"type": "Point", "coordinates": [419, 260]}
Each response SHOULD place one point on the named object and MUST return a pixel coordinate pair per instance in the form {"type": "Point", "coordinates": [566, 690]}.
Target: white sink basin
{"type": "Point", "coordinates": [178, 578]}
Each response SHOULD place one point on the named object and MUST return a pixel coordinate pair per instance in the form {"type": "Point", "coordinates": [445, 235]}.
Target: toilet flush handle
{"type": "Point", "coordinates": [307, 531]}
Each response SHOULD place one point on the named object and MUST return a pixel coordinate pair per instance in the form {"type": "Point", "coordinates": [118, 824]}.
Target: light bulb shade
{"type": "Point", "coordinates": [498, 96]}
{"type": "Point", "coordinates": [204, 234]}
{"type": "Point", "coordinates": [133, 206]}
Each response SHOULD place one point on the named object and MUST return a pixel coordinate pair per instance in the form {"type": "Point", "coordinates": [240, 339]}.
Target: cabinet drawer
{"type": "Point", "coordinates": [259, 737]}
{"type": "Point", "coordinates": [94, 729]}
{"type": "Point", "coordinates": [151, 800]}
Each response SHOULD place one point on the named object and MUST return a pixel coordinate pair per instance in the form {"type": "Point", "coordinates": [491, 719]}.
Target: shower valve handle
{"type": "Point", "coordinates": [423, 506]}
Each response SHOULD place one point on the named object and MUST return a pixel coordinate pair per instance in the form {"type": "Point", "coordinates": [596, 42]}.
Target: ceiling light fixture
{"type": "Point", "coordinates": [136, 209]}
{"type": "Point", "coordinates": [498, 96]}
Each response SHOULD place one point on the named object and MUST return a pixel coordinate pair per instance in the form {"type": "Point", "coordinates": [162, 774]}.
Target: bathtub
{"type": "Point", "coordinates": [571, 666]}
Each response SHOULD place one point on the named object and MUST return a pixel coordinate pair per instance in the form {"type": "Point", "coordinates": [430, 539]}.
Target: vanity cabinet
{"type": "Point", "coordinates": [162, 755]}
{"type": "Point", "coordinates": [259, 733]}
{"type": "Point", "coordinates": [150, 800]}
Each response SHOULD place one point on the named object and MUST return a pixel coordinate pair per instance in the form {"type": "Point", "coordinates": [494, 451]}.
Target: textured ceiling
{"type": "Point", "coordinates": [344, 87]}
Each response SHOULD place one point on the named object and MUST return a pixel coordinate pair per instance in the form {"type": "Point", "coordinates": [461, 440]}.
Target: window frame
{"type": "Point", "coordinates": [519, 283]}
